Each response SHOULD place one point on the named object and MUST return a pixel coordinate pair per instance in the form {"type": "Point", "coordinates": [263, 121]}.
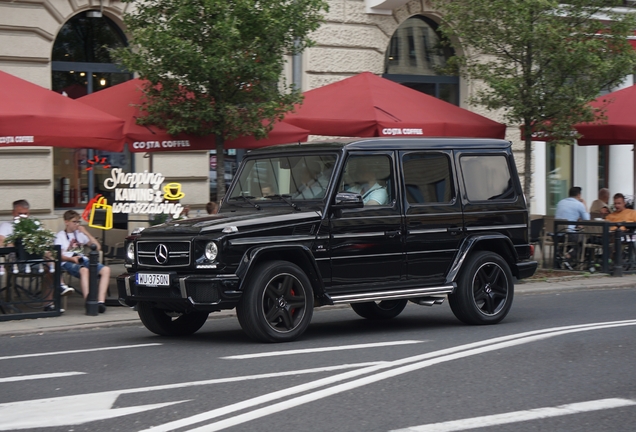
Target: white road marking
{"type": "Point", "coordinates": [322, 349]}
{"type": "Point", "coordinates": [520, 416]}
{"type": "Point", "coordinates": [76, 410]}
{"type": "Point", "coordinates": [41, 376]}
{"type": "Point", "coordinates": [417, 362]}
{"type": "Point", "coordinates": [77, 351]}
{"type": "Point", "coordinates": [41, 411]}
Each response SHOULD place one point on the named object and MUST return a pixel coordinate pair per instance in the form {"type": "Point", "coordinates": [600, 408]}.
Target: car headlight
{"type": "Point", "coordinates": [211, 251]}
{"type": "Point", "coordinates": [130, 251]}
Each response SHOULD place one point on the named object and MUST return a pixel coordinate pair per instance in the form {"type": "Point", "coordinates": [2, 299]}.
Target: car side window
{"type": "Point", "coordinates": [427, 178]}
{"type": "Point", "coordinates": [371, 177]}
{"type": "Point", "coordinates": [487, 177]}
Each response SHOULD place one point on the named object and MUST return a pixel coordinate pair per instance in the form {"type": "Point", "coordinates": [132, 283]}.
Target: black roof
{"type": "Point", "coordinates": [388, 143]}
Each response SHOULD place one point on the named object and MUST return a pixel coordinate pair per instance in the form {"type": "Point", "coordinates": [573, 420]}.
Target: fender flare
{"type": "Point", "coordinates": [470, 243]}
{"type": "Point", "coordinates": [301, 253]}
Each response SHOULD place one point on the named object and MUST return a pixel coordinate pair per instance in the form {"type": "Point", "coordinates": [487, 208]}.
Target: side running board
{"type": "Point", "coordinates": [390, 295]}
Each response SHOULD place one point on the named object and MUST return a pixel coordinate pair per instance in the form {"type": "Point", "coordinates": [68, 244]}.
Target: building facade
{"type": "Point", "coordinates": [40, 41]}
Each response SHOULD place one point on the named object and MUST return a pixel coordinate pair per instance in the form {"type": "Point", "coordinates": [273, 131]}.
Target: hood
{"type": "Point", "coordinates": [243, 220]}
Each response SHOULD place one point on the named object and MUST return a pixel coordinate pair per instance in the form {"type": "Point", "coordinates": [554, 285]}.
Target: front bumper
{"type": "Point", "coordinates": [186, 291]}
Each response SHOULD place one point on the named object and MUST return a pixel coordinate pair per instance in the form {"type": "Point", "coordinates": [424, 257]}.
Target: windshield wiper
{"type": "Point", "coordinates": [286, 199]}
{"type": "Point", "coordinates": [247, 200]}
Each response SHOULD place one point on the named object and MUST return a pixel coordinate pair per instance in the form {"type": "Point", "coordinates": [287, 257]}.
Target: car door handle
{"type": "Point", "coordinates": [392, 234]}
{"type": "Point", "coordinates": [455, 230]}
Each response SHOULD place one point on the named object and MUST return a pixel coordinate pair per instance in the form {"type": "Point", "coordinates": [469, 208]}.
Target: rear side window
{"type": "Point", "coordinates": [427, 178]}
{"type": "Point", "coordinates": [487, 177]}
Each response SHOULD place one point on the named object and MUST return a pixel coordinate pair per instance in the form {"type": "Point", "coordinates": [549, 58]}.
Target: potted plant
{"type": "Point", "coordinates": [30, 238]}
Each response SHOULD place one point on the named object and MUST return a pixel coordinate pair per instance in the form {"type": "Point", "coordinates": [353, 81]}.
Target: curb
{"type": "Point", "coordinates": [70, 323]}
{"type": "Point", "coordinates": [89, 326]}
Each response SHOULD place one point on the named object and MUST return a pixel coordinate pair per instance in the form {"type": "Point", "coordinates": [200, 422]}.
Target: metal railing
{"type": "Point", "coordinates": [29, 285]}
{"type": "Point", "coordinates": [595, 246]}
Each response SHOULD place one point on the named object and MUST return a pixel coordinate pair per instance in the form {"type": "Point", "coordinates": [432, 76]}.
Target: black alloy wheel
{"type": "Point", "coordinates": [277, 304]}
{"type": "Point", "coordinates": [485, 290]}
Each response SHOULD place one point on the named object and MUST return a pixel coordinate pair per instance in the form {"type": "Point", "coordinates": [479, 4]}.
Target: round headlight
{"type": "Point", "coordinates": [211, 251]}
{"type": "Point", "coordinates": [130, 251]}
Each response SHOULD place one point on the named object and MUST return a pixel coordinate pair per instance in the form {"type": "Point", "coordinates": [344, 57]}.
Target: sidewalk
{"type": "Point", "coordinates": [75, 317]}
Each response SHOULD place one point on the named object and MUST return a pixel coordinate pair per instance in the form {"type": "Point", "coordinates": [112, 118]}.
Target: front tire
{"type": "Point", "coordinates": [485, 290]}
{"type": "Point", "coordinates": [277, 304]}
{"type": "Point", "coordinates": [164, 323]}
{"type": "Point", "coordinates": [380, 310]}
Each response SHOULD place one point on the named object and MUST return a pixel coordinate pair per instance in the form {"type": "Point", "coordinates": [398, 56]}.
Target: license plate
{"type": "Point", "coordinates": [153, 279]}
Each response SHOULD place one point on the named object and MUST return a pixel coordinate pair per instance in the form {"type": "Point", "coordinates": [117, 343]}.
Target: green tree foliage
{"type": "Point", "coordinates": [541, 61]}
{"type": "Point", "coordinates": [215, 66]}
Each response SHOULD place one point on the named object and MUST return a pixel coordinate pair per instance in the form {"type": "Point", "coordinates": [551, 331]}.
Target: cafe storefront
{"type": "Point", "coordinates": [60, 45]}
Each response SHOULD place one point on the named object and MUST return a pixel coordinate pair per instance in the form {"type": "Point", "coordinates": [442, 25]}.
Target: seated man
{"type": "Point", "coordinates": [368, 186]}
{"type": "Point", "coordinates": [599, 207]}
{"type": "Point", "coordinates": [72, 241]}
{"type": "Point", "coordinates": [313, 184]}
{"type": "Point", "coordinates": [572, 209]}
{"type": "Point", "coordinates": [621, 212]}
{"type": "Point", "coordinates": [22, 208]}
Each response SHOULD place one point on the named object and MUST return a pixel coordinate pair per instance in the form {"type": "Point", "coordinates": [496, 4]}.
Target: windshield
{"type": "Point", "coordinates": [295, 177]}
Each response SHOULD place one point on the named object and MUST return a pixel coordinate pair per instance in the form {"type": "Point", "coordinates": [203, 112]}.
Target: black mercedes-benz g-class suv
{"type": "Point", "coordinates": [369, 222]}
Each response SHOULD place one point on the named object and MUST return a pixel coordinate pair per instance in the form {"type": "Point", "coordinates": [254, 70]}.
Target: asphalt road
{"type": "Point", "coordinates": [558, 362]}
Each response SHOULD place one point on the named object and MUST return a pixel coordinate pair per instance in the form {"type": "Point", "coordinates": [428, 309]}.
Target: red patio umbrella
{"type": "Point", "coordinates": [122, 101]}
{"type": "Point", "coordinates": [619, 125]}
{"type": "Point", "coordinates": [366, 105]}
{"type": "Point", "coordinates": [31, 115]}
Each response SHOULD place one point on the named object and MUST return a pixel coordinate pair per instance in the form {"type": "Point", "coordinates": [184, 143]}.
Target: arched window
{"type": "Point", "coordinates": [82, 64]}
{"type": "Point", "coordinates": [415, 56]}
{"type": "Point", "coordinates": [81, 59]}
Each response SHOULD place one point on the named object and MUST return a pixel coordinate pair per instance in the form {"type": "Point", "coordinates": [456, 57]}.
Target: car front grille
{"type": "Point", "coordinates": [163, 254]}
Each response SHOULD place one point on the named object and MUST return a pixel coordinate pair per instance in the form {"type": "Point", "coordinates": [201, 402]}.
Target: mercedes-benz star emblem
{"type": "Point", "coordinates": [161, 254]}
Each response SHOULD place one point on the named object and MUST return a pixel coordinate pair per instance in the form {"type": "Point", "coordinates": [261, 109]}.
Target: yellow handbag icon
{"type": "Point", "coordinates": [101, 215]}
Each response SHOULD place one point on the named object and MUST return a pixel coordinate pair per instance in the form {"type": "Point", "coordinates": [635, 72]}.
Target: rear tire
{"type": "Point", "coordinates": [163, 322]}
{"type": "Point", "coordinates": [380, 310]}
{"type": "Point", "coordinates": [484, 291]}
{"type": "Point", "coordinates": [277, 303]}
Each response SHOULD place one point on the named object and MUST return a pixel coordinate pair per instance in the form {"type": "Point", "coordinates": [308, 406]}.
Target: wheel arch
{"type": "Point", "coordinates": [497, 243]}
{"type": "Point", "coordinates": [297, 254]}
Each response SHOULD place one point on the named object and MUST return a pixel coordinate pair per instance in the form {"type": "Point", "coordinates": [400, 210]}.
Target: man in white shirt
{"type": "Point", "coordinates": [313, 184]}
{"type": "Point", "coordinates": [368, 186]}
{"type": "Point", "coordinates": [21, 208]}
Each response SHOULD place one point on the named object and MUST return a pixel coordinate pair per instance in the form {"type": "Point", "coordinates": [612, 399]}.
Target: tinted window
{"type": "Point", "coordinates": [427, 178]}
{"type": "Point", "coordinates": [487, 178]}
{"type": "Point", "coordinates": [297, 177]}
{"type": "Point", "coordinates": [371, 177]}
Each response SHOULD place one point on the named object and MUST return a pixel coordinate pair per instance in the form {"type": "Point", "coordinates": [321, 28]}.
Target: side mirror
{"type": "Point", "coordinates": [348, 200]}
